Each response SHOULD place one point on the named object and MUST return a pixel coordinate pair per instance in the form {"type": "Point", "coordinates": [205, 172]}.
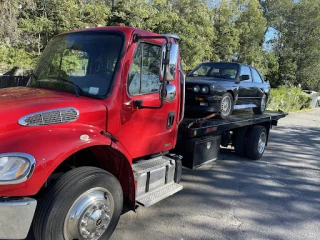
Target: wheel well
{"type": "Point", "coordinates": [103, 157]}
{"type": "Point", "coordinates": [232, 93]}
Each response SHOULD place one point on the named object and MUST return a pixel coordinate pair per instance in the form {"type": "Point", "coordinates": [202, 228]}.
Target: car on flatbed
{"type": "Point", "coordinates": [222, 87]}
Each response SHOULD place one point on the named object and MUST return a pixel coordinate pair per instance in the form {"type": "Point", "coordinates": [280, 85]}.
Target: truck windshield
{"type": "Point", "coordinates": [216, 70]}
{"type": "Point", "coordinates": [82, 63]}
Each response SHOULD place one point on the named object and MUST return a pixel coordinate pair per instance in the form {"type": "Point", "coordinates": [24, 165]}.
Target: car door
{"type": "Point", "coordinates": [260, 86]}
{"type": "Point", "coordinates": [146, 131]}
{"type": "Point", "coordinates": [246, 89]}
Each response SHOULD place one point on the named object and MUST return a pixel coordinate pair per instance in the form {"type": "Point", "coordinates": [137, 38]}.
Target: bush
{"type": "Point", "coordinates": [288, 99]}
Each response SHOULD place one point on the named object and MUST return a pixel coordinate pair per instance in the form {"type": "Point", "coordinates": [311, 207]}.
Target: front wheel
{"type": "Point", "coordinates": [85, 203]}
{"type": "Point", "coordinates": [262, 107]}
{"type": "Point", "coordinates": [226, 106]}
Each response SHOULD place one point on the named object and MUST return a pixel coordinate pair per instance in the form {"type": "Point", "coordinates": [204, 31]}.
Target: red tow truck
{"type": "Point", "coordinates": [101, 124]}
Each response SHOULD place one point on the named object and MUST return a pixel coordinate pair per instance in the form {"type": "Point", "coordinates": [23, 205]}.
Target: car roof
{"type": "Point", "coordinates": [241, 64]}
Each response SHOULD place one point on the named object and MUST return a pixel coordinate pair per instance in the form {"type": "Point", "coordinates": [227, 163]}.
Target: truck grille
{"type": "Point", "coordinates": [55, 116]}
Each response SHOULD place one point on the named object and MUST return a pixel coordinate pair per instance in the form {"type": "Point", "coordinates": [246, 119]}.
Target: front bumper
{"type": "Point", "coordinates": [206, 104]}
{"type": "Point", "coordinates": [15, 217]}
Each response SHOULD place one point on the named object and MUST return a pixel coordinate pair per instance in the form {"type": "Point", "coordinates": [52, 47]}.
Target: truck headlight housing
{"type": "Point", "coordinates": [15, 167]}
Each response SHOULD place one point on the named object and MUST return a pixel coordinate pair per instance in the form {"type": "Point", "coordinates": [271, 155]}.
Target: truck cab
{"type": "Point", "coordinates": [93, 128]}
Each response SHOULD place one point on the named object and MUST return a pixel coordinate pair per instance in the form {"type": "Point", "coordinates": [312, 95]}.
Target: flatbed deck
{"type": "Point", "coordinates": [193, 126]}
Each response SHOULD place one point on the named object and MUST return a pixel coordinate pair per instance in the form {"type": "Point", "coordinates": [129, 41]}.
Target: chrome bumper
{"type": "Point", "coordinates": [15, 217]}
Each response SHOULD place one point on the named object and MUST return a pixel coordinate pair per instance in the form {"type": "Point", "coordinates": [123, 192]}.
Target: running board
{"type": "Point", "coordinates": [159, 194]}
{"type": "Point", "coordinates": [244, 106]}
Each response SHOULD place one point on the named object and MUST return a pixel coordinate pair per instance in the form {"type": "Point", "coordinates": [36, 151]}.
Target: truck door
{"type": "Point", "coordinates": [146, 131]}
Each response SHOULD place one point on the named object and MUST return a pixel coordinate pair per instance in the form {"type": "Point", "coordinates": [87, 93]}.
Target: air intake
{"type": "Point", "coordinates": [55, 116]}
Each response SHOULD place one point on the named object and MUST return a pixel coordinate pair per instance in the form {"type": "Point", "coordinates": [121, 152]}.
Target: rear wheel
{"type": "Point", "coordinates": [256, 142]}
{"type": "Point", "coordinates": [85, 203]}
{"type": "Point", "coordinates": [226, 106]}
{"type": "Point", "coordinates": [262, 107]}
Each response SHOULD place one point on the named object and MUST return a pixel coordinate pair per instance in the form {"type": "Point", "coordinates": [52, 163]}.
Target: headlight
{"type": "Point", "coordinates": [15, 167]}
{"type": "Point", "coordinates": [196, 88]}
{"type": "Point", "coordinates": [204, 89]}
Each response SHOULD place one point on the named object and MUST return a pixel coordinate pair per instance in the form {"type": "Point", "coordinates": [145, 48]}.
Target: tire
{"type": "Point", "coordinates": [263, 105]}
{"type": "Point", "coordinates": [256, 142]}
{"type": "Point", "coordinates": [90, 195]}
{"type": "Point", "coordinates": [226, 106]}
{"type": "Point", "coordinates": [240, 141]}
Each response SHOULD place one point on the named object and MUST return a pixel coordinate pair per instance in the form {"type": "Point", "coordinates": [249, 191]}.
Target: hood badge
{"type": "Point", "coordinates": [84, 137]}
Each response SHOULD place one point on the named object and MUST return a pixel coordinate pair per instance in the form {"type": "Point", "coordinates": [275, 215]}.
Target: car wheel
{"type": "Point", "coordinates": [226, 106]}
{"type": "Point", "coordinates": [240, 141]}
{"type": "Point", "coordinates": [263, 105]}
{"type": "Point", "coordinates": [256, 142]}
{"type": "Point", "coordinates": [85, 203]}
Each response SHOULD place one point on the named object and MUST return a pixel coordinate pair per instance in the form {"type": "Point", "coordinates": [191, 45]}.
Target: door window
{"type": "Point", "coordinates": [246, 71]}
{"type": "Point", "coordinates": [144, 75]}
{"type": "Point", "coordinates": [256, 76]}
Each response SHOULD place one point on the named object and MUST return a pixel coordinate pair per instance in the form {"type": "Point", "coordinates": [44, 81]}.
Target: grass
{"type": "Point", "coordinates": [289, 99]}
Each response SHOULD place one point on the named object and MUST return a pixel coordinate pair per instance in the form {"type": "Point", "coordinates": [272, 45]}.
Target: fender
{"type": "Point", "coordinates": [50, 146]}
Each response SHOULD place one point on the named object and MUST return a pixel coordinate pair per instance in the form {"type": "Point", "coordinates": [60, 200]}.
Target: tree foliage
{"type": "Point", "coordinates": [224, 30]}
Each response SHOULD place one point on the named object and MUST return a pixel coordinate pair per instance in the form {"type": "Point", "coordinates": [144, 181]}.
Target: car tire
{"type": "Point", "coordinates": [226, 106]}
{"type": "Point", "coordinates": [263, 105]}
{"type": "Point", "coordinates": [256, 142]}
{"type": "Point", "coordinates": [85, 202]}
{"type": "Point", "coordinates": [240, 141]}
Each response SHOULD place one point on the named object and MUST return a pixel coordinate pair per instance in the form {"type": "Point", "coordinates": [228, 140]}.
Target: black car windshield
{"type": "Point", "coordinates": [216, 70]}
{"type": "Point", "coordinates": [82, 63]}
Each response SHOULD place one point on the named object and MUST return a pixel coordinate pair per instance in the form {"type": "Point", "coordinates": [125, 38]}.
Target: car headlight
{"type": "Point", "coordinates": [196, 89]}
{"type": "Point", "coordinates": [204, 89]}
{"type": "Point", "coordinates": [15, 167]}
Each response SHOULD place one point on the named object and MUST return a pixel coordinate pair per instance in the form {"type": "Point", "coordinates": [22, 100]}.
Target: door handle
{"type": "Point", "coordinates": [170, 120]}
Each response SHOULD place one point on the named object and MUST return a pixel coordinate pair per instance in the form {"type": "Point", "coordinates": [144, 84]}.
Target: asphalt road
{"type": "Point", "coordinates": [277, 197]}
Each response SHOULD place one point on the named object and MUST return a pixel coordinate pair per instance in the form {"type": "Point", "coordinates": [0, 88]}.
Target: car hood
{"type": "Point", "coordinates": [18, 102]}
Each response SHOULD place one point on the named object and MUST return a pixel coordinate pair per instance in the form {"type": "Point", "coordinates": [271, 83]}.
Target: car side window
{"type": "Point", "coordinates": [144, 75]}
{"type": "Point", "coordinates": [256, 76]}
{"type": "Point", "coordinates": [246, 71]}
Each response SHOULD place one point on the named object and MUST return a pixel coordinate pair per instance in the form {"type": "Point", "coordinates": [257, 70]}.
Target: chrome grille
{"type": "Point", "coordinates": [55, 116]}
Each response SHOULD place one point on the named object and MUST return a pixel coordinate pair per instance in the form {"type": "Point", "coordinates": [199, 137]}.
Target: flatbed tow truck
{"type": "Point", "coordinates": [83, 139]}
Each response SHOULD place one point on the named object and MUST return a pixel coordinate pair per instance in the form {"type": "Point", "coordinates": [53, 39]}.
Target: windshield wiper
{"type": "Point", "coordinates": [77, 89]}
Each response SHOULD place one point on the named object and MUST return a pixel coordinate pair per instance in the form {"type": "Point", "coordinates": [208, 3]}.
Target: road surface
{"type": "Point", "coordinates": [277, 197]}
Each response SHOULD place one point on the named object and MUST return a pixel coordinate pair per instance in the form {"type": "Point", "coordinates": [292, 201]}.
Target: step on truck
{"type": "Point", "coordinates": [100, 125]}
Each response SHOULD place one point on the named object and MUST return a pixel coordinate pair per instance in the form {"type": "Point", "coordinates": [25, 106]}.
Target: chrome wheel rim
{"type": "Point", "coordinates": [90, 215]}
{"type": "Point", "coordinates": [263, 103]}
{"type": "Point", "coordinates": [226, 105]}
{"type": "Point", "coordinates": [262, 142]}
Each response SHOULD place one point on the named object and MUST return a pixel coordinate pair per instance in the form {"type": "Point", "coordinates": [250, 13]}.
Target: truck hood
{"type": "Point", "coordinates": [18, 102]}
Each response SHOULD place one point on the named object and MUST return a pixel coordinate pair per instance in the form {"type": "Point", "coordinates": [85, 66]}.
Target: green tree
{"type": "Point", "coordinates": [252, 26]}
{"type": "Point", "coordinates": [226, 44]}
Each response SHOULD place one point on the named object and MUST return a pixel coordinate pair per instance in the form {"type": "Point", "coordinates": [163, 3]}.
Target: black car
{"type": "Point", "coordinates": [220, 87]}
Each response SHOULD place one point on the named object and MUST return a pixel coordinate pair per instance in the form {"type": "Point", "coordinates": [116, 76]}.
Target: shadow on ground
{"type": "Point", "coordinates": [277, 197]}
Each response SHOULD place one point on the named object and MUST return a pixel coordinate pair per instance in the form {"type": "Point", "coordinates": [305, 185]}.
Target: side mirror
{"type": "Point", "coordinates": [169, 61]}
{"type": "Point", "coordinates": [244, 77]}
